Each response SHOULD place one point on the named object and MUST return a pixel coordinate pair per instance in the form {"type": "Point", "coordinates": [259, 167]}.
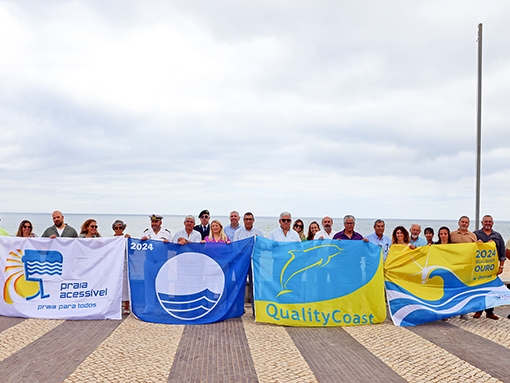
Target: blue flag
{"type": "Point", "coordinates": [188, 284]}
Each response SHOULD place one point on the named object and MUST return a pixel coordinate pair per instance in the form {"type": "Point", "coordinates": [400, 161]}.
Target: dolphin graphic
{"type": "Point", "coordinates": [284, 280]}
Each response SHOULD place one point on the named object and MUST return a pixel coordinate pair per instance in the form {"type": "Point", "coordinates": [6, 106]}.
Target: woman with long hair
{"type": "Point", "coordinates": [312, 229]}
{"type": "Point", "coordinates": [89, 229]}
{"type": "Point", "coordinates": [217, 234]}
{"type": "Point", "coordinates": [299, 227]}
{"type": "Point", "coordinates": [444, 236]}
{"type": "Point", "coordinates": [25, 229]}
{"type": "Point", "coordinates": [400, 236]}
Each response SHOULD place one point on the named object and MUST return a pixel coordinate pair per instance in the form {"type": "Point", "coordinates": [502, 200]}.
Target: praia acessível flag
{"type": "Point", "coordinates": [188, 284]}
{"type": "Point", "coordinates": [318, 283]}
{"type": "Point", "coordinates": [62, 278]}
{"type": "Point", "coordinates": [441, 281]}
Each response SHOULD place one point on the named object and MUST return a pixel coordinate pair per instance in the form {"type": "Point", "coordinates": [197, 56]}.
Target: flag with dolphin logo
{"type": "Point", "coordinates": [441, 281]}
{"type": "Point", "coordinates": [188, 284]}
{"type": "Point", "coordinates": [318, 283]}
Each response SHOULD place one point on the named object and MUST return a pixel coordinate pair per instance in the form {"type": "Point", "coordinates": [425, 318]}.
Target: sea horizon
{"type": "Point", "coordinates": [137, 223]}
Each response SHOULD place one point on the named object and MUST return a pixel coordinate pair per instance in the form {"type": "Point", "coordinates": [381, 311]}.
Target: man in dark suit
{"type": "Point", "coordinates": [204, 226]}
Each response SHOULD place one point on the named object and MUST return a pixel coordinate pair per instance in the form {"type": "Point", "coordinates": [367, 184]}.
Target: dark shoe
{"type": "Point", "coordinates": [508, 316]}
{"type": "Point", "coordinates": [477, 315]}
{"type": "Point", "coordinates": [445, 319]}
{"type": "Point", "coordinates": [492, 316]}
{"type": "Point", "coordinates": [463, 316]}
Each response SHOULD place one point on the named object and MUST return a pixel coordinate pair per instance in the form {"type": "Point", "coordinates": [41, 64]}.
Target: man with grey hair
{"type": "Point", "coordinates": [230, 230]}
{"type": "Point", "coordinates": [327, 229]}
{"type": "Point", "coordinates": [284, 233]}
{"type": "Point", "coordinates": [414, 236]}
{"type": "Point", "coordinates": [248, 230]}
{"type": "Point", "coordinates": [348, 231]}
{"type": "Point", "coordinates": [378, 238]}
{"type": "Point", "coordinates": [187, 234]}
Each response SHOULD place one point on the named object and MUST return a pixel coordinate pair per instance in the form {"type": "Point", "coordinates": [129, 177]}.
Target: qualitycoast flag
{"type": "Point", "coordinates": [318, 283]}
{"type": "Point", "coordinates": [61, 278]}
{"type": "Point", "coordinates": [441, 281]}
{"type": "Point", "coordinates": [188, 284]}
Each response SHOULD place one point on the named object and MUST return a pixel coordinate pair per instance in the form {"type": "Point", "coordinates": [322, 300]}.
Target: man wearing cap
{"type": "Point", "coordinates": [204, 226]}
{"type": "Point", "coordinates": [155, 231]}
{"type": "Point", "coordinates": [187, 234]}
{"type": "Point", "coordinates": [60, 228]}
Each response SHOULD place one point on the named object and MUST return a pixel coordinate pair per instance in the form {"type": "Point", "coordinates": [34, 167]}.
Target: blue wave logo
{"type": "Point", "coordinates": [190, 285]}
{"type": "Point", "coordinates": [39, 263]}
{"type": "Point", "coordinates": [409, 310]}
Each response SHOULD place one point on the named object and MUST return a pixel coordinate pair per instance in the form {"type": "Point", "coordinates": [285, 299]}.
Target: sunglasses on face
{"type": "Point", "coordinates": [27, 227]}
{"type": "Point", "coordinates": [93, 226]}
{"type": "Point", "coordinates": [286, 220]}
{"type": "Point", "coordinates": [298, 225]}
{"type": "Point", "coordinates": [118, 228]}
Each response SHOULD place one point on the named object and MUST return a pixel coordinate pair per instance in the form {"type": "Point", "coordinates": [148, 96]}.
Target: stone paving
{"type": "Point", "coordinates": [237, 350]}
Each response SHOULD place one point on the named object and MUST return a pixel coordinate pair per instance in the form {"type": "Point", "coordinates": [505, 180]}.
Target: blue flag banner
{"type": "Point", "coordinates": [318, 283]}
{"type": "Point", "coordinates": [441, 281]}
{"type": "Point", "coordinates": [188, 284]}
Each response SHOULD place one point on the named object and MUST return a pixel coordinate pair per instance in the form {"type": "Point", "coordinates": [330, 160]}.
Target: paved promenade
{"type": "Point", "coordinates": [240, 350]}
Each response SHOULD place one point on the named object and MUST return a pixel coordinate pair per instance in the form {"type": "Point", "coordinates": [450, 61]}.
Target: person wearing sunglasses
{"type": "Point", "coordinates": [204, 226]}
{"type": "Point", "coordinates": [118, 229]}
{"type": "Point", "coordinates": [284, 233]}
{"type": "Point", "coordinates": [25, 229]}
{"type": "Point", "coordinates": [89, 229]}
{"type": "Point", "coordinates": [299, 227]}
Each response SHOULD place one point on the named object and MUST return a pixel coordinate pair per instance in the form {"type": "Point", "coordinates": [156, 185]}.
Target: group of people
{"type": "Point", "coordinates": [214, 232]}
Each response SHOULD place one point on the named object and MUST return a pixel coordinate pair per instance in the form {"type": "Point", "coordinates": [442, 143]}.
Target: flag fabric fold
{"type": "Point", "coordinates": [441, 281]}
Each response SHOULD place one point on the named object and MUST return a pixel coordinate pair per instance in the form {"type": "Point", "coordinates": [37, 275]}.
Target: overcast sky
{"type": "Point", "coordinates": [318, 107]}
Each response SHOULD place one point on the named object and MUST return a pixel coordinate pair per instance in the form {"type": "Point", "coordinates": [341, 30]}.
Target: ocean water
{"type": "Point", "coordinates": [136, 224]}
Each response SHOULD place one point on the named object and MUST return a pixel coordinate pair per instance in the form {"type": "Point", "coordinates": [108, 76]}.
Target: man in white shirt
{"type": "Point", "coordinates": [327, 229]}
{"type": "Point", "coordinates": [284, 233]}
{"type": "Point", "coordinates": [234, 225]}
{"type": "Point", "coordinates": [248, 230]}
{"type": "Point", "coordinates": [187, 234]}
{"type": "Point", "coordinates": [155, 231]}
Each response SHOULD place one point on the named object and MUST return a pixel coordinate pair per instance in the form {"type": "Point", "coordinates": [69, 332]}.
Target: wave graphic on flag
{"type": "Point", "coordinates": [42, 262]}
{"type": "Point", "coordinates": [36, 268]}
{"type": "Point", "coordinates": [190, 285]}
{"type": "Point", "coordinates": [407, 309]}
{"type": "Point", "coordinates": [189, 306]}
